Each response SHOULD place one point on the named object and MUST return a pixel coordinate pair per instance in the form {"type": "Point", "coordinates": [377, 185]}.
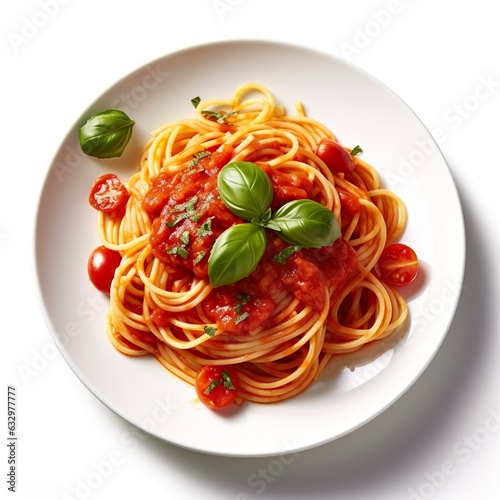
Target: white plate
{"type": "Point", "coordinates": [355, 388]}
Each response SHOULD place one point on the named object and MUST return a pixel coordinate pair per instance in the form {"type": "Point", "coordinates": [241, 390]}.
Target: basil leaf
{"type": "Point", "coordinates": [245, 189]}
{"type": "Point", "coordinates": [106, 134]}
{"type": "Point", "coordinates": [236, 253]}
{"type": "Point", "coordinates": [307, 223]}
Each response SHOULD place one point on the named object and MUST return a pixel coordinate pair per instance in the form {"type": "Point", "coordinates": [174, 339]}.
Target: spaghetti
{"type": "Point", "coordinates": [278, 333]}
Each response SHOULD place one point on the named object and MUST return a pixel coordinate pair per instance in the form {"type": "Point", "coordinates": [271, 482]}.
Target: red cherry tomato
{"type": "Point", "coordinates": [397, 265]}
{"type": "Point", "coordinates": [101, 267]}
{"type": "Point", "coordinates": [108, 193]}
{"type": "Point", "coordinates": [217, 386]}
{"type": "Point", "coordinates": [336, 157]}
{"type": "Point", "coordinates": [349, 204]}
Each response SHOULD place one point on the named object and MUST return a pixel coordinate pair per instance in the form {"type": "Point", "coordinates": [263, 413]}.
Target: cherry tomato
{"type": "Point", "coordinates": [108, 193]}
{"type": "Point", "coordinates": [217, 386]}
{"type": "Point", "coordinates": [101, 267]}
{"type": "Point", "coordinates": [349, 204]}
{"type": "Point", "coordinates": [397, 265]}
{"type": "Point", "coordinates": [336, 157]}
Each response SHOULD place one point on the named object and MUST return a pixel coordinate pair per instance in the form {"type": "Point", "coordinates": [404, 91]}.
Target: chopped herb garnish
{"type": "Point", "coordinates": [212, 386]}
{"type": "Point", "coordinates": [241, 317]}
{"type": "Point", "coordinates": [284, 254]}
{"type": "Point", "coordinates": [190, 204]}
{"type": "Point", "coordinates": [199, 257]}
{"type": "Point", "coordinates": [180, 251]}
{"type": "Point", "coordinates": [210, 330]}
{"type": "Point", "coordinates": [356, 150]}
{"type": "Point", "coordinates": [243, 299]}
{"type": "Point", "coordinates": [185, 237]}
{"type": "Point", "coordinates": [205, 228]}
{"type": "Point", "coordinates": [189, 212]}
{"type": "Point", "coordinates": [218, 116]}
{"type": "Point", "coordinates": [228, 381]}
{"type": "Point", "coordinates": [172, 223]}
{"type": "Point", "coordinates": [198, 157]}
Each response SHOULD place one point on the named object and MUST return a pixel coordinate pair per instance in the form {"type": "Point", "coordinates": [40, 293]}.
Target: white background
{"type": "Point", "coordinates": [441, 440]}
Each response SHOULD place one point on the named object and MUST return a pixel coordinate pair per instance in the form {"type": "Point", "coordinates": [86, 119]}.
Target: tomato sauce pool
{"type": "Point", "coordinates": [189, 215]}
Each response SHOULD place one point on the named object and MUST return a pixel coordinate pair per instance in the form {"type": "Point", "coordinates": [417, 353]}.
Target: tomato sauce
{"type": "Point", "coordinates": [305, 274]}
{"type": "Point", "coordinates": [189, 215]}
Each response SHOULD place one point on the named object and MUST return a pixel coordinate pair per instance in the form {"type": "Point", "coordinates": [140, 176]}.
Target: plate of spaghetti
{"type": "Point", "coordinates": [253, 255]}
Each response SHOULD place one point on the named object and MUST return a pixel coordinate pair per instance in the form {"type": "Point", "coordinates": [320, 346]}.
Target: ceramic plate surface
{"type": "Point", "coordinates": [355, 388]}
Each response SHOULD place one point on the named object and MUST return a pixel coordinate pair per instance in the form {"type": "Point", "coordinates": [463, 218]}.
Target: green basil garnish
{"type": "Point", "coordinates": [243, 300]}
{"type": "Point", "coordinates": [228, 381]}
{"type": "Point", "coordinates": [189, 212]}
{"type": "Point", "coordinates": [284, 254]}
{"type": "Point", "coordinates": [236, 253]}
{"type": "Point", "coordinates": [307, 223]}
{"type": "Point", "coordinates": [205, 229]}
{"type": "Point", "coordinates": [245, 189]}
{"type": "Point", "coordinates": [198, 157]}
{"type": "Point", "coordinates": [356, 150]}
{"type": "Point", "coordinates": [210, 330]}
{"type": "Point", "coordinates": [106, 134]}
{"type": "Point", "coordinates": [217, 116]}
{"type": "Point", "coordinates": [199, 257]}
{"type": "Point", "coordinates": [241, 317]}
{"type": "Point", "coordinates": [212, 386]}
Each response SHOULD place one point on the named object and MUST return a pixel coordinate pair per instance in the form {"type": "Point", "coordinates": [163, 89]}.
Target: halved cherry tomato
{"type": "Point", "coordinates": [101, 267]}
{"type": "Point", "coordinates": [397, 265]}
{"type": "Point", "coordinates": [217, 386]}
{"type": "Point", "coordinates": [336, 157]}
{"type": "Point", "coordinates": [108, 193]}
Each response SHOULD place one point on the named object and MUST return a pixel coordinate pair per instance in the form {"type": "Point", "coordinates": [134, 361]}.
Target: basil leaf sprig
{"type": "Point", "coordinates": [247, 191]}
{"type": "Point", "coordinates": [106, 134]}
